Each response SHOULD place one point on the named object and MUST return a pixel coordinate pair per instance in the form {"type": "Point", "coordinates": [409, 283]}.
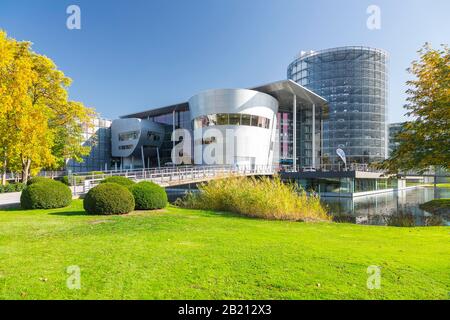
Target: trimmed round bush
{"type": "Point", "coordinates": [38, 179]}
{"type": "Point", "coordinates": [45, 195]}
{"type": "Point", "coordinates": [108, 198]}
{"type": "Point", "coordinates": [148, 196]}
{"type": "Point", "coordinates": [119, 180]}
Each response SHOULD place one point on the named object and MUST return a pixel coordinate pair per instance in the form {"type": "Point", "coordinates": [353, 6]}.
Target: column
{"type": "Point", "coordinates": [173, 130]}
{"type": "Point", "coordinates": [313, 136]}
{"type": "Point", "coordinates": [294, 134]}
{"type": "Point", "coordinates": [143, 158]}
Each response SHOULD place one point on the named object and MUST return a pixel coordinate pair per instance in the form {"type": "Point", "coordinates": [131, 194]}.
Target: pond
{"type": "Point", "coordinates": [397, 208]}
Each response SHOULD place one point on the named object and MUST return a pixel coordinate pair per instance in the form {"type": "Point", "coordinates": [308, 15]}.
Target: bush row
{"type": "Point", "coordinates": [12, 187]}
{"type": "Point", "coordinates": [119, 195]}
{"type": "Point", "coordinates": [114, 195]}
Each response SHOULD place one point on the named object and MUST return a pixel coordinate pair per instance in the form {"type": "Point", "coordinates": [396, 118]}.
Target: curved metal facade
{"type": "Point", "coordinates": [251, 117]}
{"type": "Point", "coordinates": [135, 139]}
{"type": "Point", "coordinates": [354, 81]}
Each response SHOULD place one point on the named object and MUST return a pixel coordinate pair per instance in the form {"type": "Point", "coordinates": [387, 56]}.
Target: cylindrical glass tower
{"type": "Point", "coordinates": [354, 80]}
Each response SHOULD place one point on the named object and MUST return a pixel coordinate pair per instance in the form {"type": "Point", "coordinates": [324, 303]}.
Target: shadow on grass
{"type": "Point", "coordinates": [70, 213]}
{"type": "Point", "coordinates": [225, 214]}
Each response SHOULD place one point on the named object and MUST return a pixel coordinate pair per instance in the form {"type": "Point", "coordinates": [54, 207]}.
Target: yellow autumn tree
{"type": "Point", "coordinates": [39, 126]}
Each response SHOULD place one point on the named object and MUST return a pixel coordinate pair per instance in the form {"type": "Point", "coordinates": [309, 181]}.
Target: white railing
{"type": "Point", "coordinates": [334, 168]}
{"type": "Point", "coordinates": [81, 183]}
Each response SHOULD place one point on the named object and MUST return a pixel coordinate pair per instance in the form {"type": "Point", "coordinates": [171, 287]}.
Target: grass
{"type": "Point", "coordinates": [188, 254]}
{"type": "Point", "coordinates": [437, 206]}
{"type": "Point", "coordinates": [438, 185]}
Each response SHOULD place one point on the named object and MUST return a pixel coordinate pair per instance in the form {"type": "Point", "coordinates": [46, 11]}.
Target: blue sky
{"type": "Point", "coordinates": [134, 55]}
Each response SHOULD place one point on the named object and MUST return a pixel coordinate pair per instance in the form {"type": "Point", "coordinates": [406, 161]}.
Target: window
{"type": "Point", "coordinates": [209, 140]}
{"type": "Point", "coordinates": [234, 119]}
{"type": "Point", "coordinates": [245, 119]}
{"type": "Point", "coordinates": [260, 122]}
{"type": "Point", "coordinates": [153, 136]}
{"type": "Point", "coordinates": [126, 147]}
{"type": "Point", "coordinates": [222, 119]}
{"type": "Point", "coordinates": [125, 136]}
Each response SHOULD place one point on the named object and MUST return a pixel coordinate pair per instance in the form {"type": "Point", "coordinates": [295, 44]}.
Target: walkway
{"type": "Point", "coordinates": [169, 177]}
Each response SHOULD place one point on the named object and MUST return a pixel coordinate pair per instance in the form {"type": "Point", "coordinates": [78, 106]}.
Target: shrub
{"type": "Point", "coordinates": [12, 187]}
{"type": "Point", "coordinates": [108, 198]}
{"type": "Point", "coordinates": [119, 180]}
{"type": "Point", "coordinates": [65, 180]}
{"type": "Point", "coordinates": [37, 179]}
{"type": "Point", "coordinates": [148, 195]}
{"type": "Point", "coordinates": [19, 186]}
{"type": "Point", "coordinates": [263, 198]}
{"type": "Point", "coordinates": [45, 195]}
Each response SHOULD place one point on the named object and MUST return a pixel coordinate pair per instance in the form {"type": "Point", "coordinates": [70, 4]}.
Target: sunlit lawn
{"type": "Point", "coordinates": [186, 254]}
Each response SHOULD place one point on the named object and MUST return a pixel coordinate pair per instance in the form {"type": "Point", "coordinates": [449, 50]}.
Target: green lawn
{"type": "Point", "coordinates": [437, 205]}
{"type": "Point", "coordinates": [438, 185]}
{"type": "Point", "coordinates": [187, 254]}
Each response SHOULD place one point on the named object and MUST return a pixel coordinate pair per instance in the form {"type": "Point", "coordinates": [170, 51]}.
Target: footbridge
{"type": "Point", "coordinates": [81, 183]}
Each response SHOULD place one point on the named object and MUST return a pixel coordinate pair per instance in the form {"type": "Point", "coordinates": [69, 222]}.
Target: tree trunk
{"type": "Point", "coordinates": [25, 170]}
{"type": "Point", "coordinates": [5, 164]}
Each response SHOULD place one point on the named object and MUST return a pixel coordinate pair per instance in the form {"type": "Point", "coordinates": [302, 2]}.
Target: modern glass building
{"type": "Point", "coordinates": [272, 124]}
{"type": "Point", "coordinates": [354, 81]}
{"type": "Point", "coordinates": [98, 137]}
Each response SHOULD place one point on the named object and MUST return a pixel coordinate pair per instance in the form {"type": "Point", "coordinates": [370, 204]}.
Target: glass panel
{"type": "Point", "coordinates": [125, 136]}
{"type": "Point", "coordinates": [245, 119]}
{"type": "Point", "coordinates": [235, 119]}
{"type": "Point", "coordinates": [126, 147]}
{"type": "Point", "coordinates": [222, 119]}
{"type": "Point", "coordinates": [261, 122]}
{"type": "Point", "coordinates": [212, 120]}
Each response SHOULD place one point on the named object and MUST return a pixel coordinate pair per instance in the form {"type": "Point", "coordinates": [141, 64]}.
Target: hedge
{"type": "Point", "coordinates": [12, 187]}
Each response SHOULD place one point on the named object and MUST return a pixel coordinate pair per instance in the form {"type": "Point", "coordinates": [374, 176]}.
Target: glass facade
{"type": "Point", "coordinates": [178, 119]}
{"type": "Point", "coordinates": [345, 184]}
{"type": "Point", "coordinates": [98, 138]}
{"type": "Point", "coordinates": [232, 119]}
{"type": "Point", "coordinates": [354, 81]}
{"type": "Point", "coordinates": [285, 135]}
{"type": "Point", "coordinates": [394, 129]}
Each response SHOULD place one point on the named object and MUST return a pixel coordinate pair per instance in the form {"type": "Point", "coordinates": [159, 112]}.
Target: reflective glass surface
{"type": "Point", "coordinates": [232, 119]}
{"type": "Point", "coordinates": [354, 81]}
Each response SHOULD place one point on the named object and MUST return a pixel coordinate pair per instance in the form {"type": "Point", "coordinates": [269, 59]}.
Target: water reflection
{"type": "Point", "coordinates": [399, 208]}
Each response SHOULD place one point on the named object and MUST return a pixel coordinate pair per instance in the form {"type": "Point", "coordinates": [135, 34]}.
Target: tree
{"type": "Point", "coordinates": [425, 141]}
{"type": "Point", "coordinates": [39, 126]}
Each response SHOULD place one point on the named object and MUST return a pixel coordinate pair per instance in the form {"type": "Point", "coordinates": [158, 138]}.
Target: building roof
{"type": "Point", "coordinates": [282, 90]}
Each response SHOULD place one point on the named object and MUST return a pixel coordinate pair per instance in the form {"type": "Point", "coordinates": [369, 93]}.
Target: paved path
{"type": "Point", "coordinates": [9, 199]}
